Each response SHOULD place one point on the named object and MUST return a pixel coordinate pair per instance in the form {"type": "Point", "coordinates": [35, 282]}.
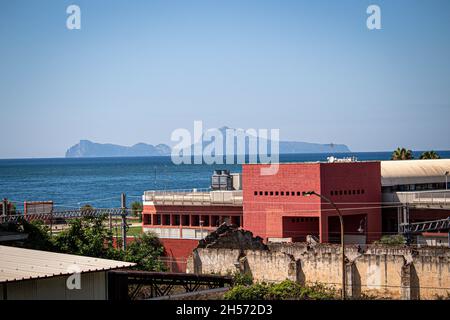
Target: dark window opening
{"type": "Point", "coordinates": [195, 220]}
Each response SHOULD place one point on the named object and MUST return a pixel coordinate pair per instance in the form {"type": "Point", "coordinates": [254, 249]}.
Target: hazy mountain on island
{"type": "Point", "coordinates": [286, 147]}
{"type": "Point", "coordinates": [86, 148]}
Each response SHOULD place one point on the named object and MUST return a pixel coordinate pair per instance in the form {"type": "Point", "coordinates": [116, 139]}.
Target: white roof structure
{"type": "Point", "coordinates": [399, 172]}
{"type": "Point", "coordinates": [22, 264]}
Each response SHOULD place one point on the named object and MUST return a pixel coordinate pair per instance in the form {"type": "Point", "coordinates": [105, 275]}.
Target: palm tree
{"type": "Point", "coordinates": [136, 209]}
{"type": "Point", "coordinates": [402, 154]}
{"type": "Point", "coordinates": [87, 208]}
{"type": "Point", "coordinates": [430, 155]}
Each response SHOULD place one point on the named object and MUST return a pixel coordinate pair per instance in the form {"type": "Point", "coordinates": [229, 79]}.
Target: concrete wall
{"type": "Point", "coordinates": [384, 272]}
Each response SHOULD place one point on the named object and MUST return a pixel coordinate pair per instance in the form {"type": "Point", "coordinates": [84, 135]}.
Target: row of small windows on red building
{"type": "Point", "coordinates": [298, 193]}
{"type": "Point", "coordinates": [346, 192]}
{"type": "Point", "coordinates": [277, 193]}
{"type": "Point", "coordinates": [293, 220]}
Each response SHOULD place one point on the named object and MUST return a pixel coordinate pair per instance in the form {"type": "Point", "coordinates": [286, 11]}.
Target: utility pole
{"type": "Point", "coordinates": [5, 206]}
{"type": "Point", "coordinates": [341, 221]}
{"type": "Point", "coordinates": [124, 221]}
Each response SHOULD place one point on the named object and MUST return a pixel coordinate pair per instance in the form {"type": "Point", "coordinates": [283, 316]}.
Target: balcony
{"type": "Point", "coordinates": [424, 199]}
{"type": "Point", "coordinates": [195, 197]}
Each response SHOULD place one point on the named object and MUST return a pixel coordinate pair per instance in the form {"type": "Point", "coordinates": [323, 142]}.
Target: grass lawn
{"type": "Point", "coordinates": [134, 231]}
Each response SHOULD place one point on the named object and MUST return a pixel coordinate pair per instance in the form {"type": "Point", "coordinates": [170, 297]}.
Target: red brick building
{"type": "Point", "coordinates": [275, 208]}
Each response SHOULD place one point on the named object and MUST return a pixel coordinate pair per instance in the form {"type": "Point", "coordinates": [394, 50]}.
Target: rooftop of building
{"type": "Point", "coordinates": [195, 197]}
{"type": "Point", "coordinates": [401, 172]}
{"type": "Point", "coordinates": [23, 264]}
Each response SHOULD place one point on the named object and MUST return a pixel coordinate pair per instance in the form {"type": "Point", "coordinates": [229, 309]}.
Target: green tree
{"type": "Point", "coordinates": [38, 233]}
{"type": "Point", "coordinates": [86, 236]}
{"type": "Point", "coordinates": [146, 251]}
{"type": "Point", "coordinates": [402, 154]}
{"type": "Point", "coordinates": [430, 155]}
{"type": "Point", "coordinates": [136, 209]}
{"type": "Point", "coordinates": [87, 208]}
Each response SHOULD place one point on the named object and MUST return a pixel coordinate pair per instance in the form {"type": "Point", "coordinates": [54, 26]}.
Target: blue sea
{"type": "Point", "coordinates": [71, 183]}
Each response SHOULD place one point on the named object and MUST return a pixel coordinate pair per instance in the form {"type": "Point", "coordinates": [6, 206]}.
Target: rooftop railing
{"type": "Point", "coordinates": [428, 197]}
{"type": "Point", "coordinates": [194, 197]}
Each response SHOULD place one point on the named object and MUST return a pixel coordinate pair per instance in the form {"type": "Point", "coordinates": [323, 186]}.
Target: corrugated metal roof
{"type": "Point", "coordinates": [398, 172]}
{"type": "Point", "coordinates": [21, 264]}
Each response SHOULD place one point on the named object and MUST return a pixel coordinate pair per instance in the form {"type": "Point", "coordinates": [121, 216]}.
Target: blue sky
{"type": "Point", "coordinates": [137, 70]}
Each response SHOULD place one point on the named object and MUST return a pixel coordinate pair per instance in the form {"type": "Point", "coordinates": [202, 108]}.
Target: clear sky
{"type": "Point", "coordinates": [137, 70]}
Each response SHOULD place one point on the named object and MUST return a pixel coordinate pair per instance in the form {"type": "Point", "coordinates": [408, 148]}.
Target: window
{"type": "Point", "coordinates": [256, 193]}
{"type": "Point", "coordinates": [158, 219]}
{"type": "Point", "coordinates": [215, 220]}
{"type": "Point", "coordinates": [195, 220]}
{"type": "Point", "coordinates": [185, 220]}
{"type": "Point", "coordinates": [205, 221]}
{"type": "Point", "coordinates": [362, 191]}
{"type": "Point", "coordinates": [266, 193]}
{"type": "Point", "coordinates": [299, 193]}
{"type": "Point", "coordinates": [271, 193]}
{"type": "Point", "coordinates": [353, 191]}
{"type": "Point", "coordinates": [276, 193]}
{"type": "Point", "coordinates": [332, 193]}
{"type": "Point", "coordinates": [260, 193]}
{"type": "Point", "coordinates": [345, 192]}
{"type": "Point", "coordinates": [358, 191]}
{"type": "Point", "coordinates": [282, 193]}
{"type": "Point", "coordinates": [340, 192]}
{"type": "Point", "coordinates": [176, 220]}
{"type": "Point", "coordinates": [287, 193]}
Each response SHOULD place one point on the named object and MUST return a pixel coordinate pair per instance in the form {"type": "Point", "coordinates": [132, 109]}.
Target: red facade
{"type": "Point", "coordinates": [274, 205]}
{"type": "Point", "coordinates": [186, 218]}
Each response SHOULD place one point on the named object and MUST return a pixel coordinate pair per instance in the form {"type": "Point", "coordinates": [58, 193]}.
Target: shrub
{"type": "Point", "coordinates": [244, 279]}
{"type": "Point", "coordinates": [392, 240]}
{"type": "Point", "coordinates": [257, 291]}
{"type": "Point", "coordinates": [285, 290]}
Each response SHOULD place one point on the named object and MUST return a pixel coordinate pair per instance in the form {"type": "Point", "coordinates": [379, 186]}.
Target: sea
{"type": "Point", "coordinates": [73, 182]}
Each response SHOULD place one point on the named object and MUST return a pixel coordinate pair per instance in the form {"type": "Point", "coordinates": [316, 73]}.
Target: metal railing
{"type": "Point", "coordinates": [194, 197]}
{"type": "Point", "coordinates": [431, 197]}
{"type": "Point", "coordinates": [427, 226]}
{"type": "Point", "coordinates": [65, 214]}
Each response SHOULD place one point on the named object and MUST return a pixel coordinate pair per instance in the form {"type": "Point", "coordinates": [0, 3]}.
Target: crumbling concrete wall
{"type": "Point", "coordinates": [380, 271]}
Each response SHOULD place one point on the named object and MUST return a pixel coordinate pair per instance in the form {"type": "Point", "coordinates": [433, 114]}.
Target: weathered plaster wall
{"type": "Point", "coordinates": [399, 273]}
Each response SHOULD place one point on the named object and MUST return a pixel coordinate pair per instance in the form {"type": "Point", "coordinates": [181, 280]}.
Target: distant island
{"type": "Point", "coordinates": [86, 149]}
